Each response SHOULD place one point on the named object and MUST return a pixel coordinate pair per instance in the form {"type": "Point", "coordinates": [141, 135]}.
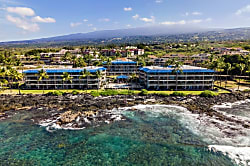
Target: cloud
{"type": "Point", "coordinates": [94, 29]}
{"type": "Point", "coordinates": [245, 9]}
{"type": "Point", "coordinates": [127, 9]}
{"type": "Point", "coordinates": [25, 18]}
{"type": "Point", "coordinates": [13, 2]}
{"type": "Point", "coordinates": [158, 1]}
{"type": "Point", "coordinates": [23, 23]}
{"type": "Point", "coordinates": [75, 24]}
{"type": "Point", "coordinates": [186, 14]}
{"type": "Point", "coordinates": [182, 22]}
{"type": "Point", "coordinates": [22, 11]}
{"type": "Point", "coordinates": [151, 19]}
{"type": "Point", "coordinates": [85, 20]}
{"type": "Point", "coordinates": [43, 20]}
{"type": "Point", "coordinates": [104, 20]}
{"type": "Point", "coordinates": [135, 16]}
{"type": "Point", "coordinates": [195, 21]}
{"type": "Point", "coordinates": [193, 13]}
{"type": "Point", "coordinates": [128, 25]}
{"type": "Point", "coordinates": [196, 13]}
{"type": "Point", "coordinates": [208, 19]}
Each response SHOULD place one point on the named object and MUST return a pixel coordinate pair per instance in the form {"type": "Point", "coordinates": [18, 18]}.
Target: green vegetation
{"type": "Point", "coordinates": [178, 94]}
{"type": "Point", "coordinates": [208, 93]}
{"type": "Point", "coordinates": [144, 92]}
{"type": "Point", "coordinates": [56, 93]}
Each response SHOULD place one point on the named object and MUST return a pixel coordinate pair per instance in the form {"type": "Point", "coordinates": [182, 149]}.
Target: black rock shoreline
{"type": "Point", "coordinates": [83, 110]}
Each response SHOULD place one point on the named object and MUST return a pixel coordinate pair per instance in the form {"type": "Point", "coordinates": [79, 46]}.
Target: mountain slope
{"type": "Point", "coordinates": [152, 34]}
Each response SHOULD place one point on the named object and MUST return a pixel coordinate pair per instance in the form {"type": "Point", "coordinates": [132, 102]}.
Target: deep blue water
{"type": "Point", "coordinates": [142, 139]}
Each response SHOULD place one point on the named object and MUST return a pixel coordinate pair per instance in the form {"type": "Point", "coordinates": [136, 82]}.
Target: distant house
{"type": "Point", "coordinates": [179, 57]}
{"type": "Point", "coordinates": [163, 78]}
{"type": "Point", "coordinates": [128, 52]}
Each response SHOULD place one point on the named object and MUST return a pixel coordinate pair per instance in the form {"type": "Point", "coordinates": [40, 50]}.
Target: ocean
{"type": "Point", "coordinates": [150, 135]}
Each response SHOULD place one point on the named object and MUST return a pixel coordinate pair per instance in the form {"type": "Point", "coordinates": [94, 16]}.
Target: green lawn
{"type": "Point", "coordinates": [15, 91]}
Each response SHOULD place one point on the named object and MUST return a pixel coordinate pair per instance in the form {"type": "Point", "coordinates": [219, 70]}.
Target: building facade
{"type": "Point", "coordinates": [121, 67]}
{"type": "Point", "coordinates": [55, 80]}
{"type": "Point", "coordinates": [163, 78]}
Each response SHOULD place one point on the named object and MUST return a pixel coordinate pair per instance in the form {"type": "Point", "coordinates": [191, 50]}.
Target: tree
{"type": "Point", "coordinates": [73, 59]}
{"type": "Point", "coordinates": [170, 62]}
{"type": "Point", "coordinates": [66, 77]}
{"type": "Point", "coordinates": [242, 68]}
{"type": "Point", "coordinates": [98, 74]}
{"type": "Point", "coordinates": [134, 78]}
{"type": "Point", "coordinates": [80, 62]}
{"type": "Point", "coordinates": [42, 74]}
{"type": "Point", "coordinates": [228, 67]}
{"type": "Point", "coordinates": [88, 58]}
{"type": "Point", "coordinates": [86, 74]}
{"type": "Point", "coordinates": [220, 66]}
{"type": "Point", "coordinates": [109, 63]}
{"type": "Point", "coordinates": [177, 68]}
{"type": "Point", "coordinates": [66, 56]}
{"type": "Point", "coordinates": [17, 77]}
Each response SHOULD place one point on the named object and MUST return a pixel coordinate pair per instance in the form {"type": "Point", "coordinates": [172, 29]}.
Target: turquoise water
{"type": "Point", "coordinates": [143, 139]}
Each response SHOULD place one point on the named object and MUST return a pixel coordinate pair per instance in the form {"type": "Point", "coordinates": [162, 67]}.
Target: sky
{"type": "Point", "coordinates": [30, 19]}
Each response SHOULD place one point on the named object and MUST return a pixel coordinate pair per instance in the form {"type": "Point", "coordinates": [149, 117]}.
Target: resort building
{"type": "Point", "coordinates": [78, 80]}
{"type": "Point", "coordinates": [120, 67]}
{"type": "Point", "coordinates": [163, 78]}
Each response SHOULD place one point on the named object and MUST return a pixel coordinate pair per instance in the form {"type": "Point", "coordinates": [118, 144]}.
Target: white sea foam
{"type": "Point", "coordinates": [229, 105]}
{"type": "Point", "coordinates": [241, 155]}
{"type": "Point", "coordinates": [228, 137]}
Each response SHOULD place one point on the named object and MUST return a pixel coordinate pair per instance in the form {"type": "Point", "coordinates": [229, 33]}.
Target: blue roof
{"type": "Point", "coordinates": [65, 70]}
{"type": "Point", "coordinates": [147, 70]}
{"type": "Point", "coordinates": [122, 77]}
{"type": "Point", "coordinates": [121, 62]}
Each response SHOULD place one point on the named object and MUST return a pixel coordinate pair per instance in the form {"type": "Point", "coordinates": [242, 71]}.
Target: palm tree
{"type": "Point", "coordinates": [73, 59]}
{"type": "Point", "coordinates": [66, 56]}
{"type": "Point", "coordinates": [177, 68]}
{"type": "Point", "coordinates": [86, 74]}
{"type": "Point", "coordinates": [214, 64]}
{"type": "Point", "coordinates": [18, 77]}
{"type": "Point", "coordinates": [42, 74]}
{"type": "Point", "coordinates": [88, 58]}
{"type": "Point", "coordinates": [248, 64]}
{"type": "Point", "coordinates": [66, 77]}
{"type": "Point", "coordinates": [98, 75]}
{"type": "Point", "coordinates": [221, 65]}
{"type": "Point", "coordinates": [242, 68]}
{"type": "Point", "coordinates": [109, 63]}
{"type": "Point", "coordinates": [228, 68]}
{"type": "Point", "coordinates": [134, 78]}
{"type": "Point", "coordinates": [170, 62]}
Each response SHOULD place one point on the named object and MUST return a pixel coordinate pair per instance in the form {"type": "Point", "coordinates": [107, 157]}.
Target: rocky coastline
{"type": "Point", "coordinates": [83, 110]}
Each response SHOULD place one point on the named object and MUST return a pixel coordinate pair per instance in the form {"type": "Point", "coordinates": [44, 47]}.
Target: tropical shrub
{"type": "Point", "coordinates": [144, 92]}
{"type": "Point", "coordinates": [207, 93]}
{"type": "Point", "coordinates": [75, 92]}
{"type": "Point", "coordinates": [56, 93]}
{"type": "Point", "coordinates": [95, 93]}
{"type": "Point", "coordinates": [178, 94]}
